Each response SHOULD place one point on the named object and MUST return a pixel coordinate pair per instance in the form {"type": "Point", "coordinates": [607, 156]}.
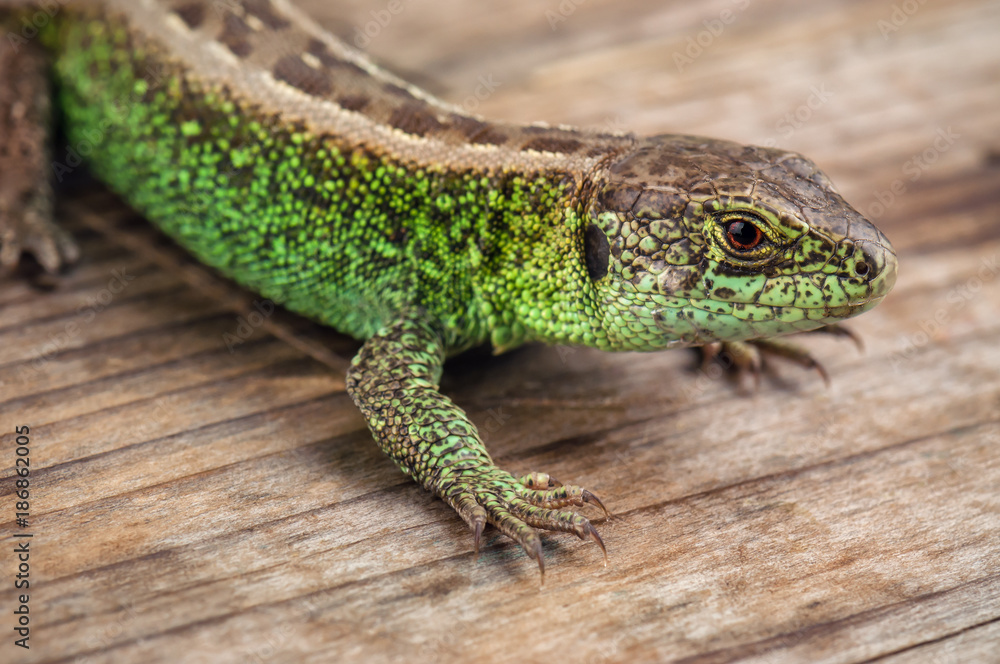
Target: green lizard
{"type": "Point", "coordinates": [291, 164]}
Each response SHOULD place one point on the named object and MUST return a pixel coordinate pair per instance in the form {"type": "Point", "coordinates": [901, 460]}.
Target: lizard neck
{"type": "Point", "coordinates": [535, 285]}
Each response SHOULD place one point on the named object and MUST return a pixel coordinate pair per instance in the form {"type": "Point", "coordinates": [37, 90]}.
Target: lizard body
{"type": "Point", "coordinates": [291, 164]}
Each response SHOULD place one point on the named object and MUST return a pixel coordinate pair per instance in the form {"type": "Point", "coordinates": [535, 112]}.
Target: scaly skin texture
{"type": "Point", "coordinates": [395, 382]}
{"type": "Point", "coordinates": [294, 167]}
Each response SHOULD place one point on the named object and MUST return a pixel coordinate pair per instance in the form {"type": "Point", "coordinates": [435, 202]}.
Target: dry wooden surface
{"type": "Point", "coordinates": [192, 504]}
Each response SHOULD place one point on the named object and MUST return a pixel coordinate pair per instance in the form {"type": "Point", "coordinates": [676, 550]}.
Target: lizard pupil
{"type": "Point", "coordinates": [743, 235]}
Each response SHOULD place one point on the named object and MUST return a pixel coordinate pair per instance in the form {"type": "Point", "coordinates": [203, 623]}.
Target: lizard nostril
{"type": "Point", "coordinates": [871, 262]}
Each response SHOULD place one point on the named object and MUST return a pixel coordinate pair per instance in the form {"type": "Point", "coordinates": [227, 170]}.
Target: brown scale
{"type": "Point", "coordinates": [279, 47]}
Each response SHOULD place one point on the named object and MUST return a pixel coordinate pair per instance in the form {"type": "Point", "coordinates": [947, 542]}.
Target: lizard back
{"type": "Point", "coordinates": [293, 165]}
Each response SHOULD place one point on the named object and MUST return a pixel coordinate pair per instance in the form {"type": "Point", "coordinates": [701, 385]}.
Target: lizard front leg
{"type": "Point", "coordinates": [394, 381]}
{"type": "Point", "coordinates": [26, 223]}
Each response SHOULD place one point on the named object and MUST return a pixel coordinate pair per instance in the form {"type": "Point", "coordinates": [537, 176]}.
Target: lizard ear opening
{"type": "Point", "coordinates": [597, 252]}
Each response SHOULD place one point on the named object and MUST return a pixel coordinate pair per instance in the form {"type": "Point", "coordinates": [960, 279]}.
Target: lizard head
{"type": "Point", "coordinates": [690, 240]}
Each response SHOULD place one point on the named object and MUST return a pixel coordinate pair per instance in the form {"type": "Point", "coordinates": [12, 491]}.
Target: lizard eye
{"type": "Point", "coordinates": [743, 235]}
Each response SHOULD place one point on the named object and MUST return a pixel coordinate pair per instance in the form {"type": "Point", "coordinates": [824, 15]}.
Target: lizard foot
{"type": "Point", "coordinates": [26, 197]}
{"type": "Point", "coordinates": [25, 231]}
{"type": "Point", "coordinates": [517, 507]}
{"type": "Point", "coordinates": [749, 357]}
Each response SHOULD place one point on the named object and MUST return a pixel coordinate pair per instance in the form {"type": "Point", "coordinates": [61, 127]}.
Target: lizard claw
{"type": "Point", "coordinates": [588, 497]}
{"type": "Point", "coordinates": [554, 494]}
{"type": "Point", "coordinates": [793, 353]}
{"type": "Point", "coordinates": [594, 535]}
{"type": "Point", "coordinates": [748, 357]}
{"type": "Point", "coordinates": [478, 530]}
{"type": "Point", "coordinates": [838, 330]}
{"type": "Point", "coordinates": [519, 507]}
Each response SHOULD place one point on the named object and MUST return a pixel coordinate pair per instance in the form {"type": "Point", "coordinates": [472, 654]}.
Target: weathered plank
{"type": "Point", "coordinates": [197, 503]}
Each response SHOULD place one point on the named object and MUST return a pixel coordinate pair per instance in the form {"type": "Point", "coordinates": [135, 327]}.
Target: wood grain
{"type": "Point", "coordinates": [196, 504]}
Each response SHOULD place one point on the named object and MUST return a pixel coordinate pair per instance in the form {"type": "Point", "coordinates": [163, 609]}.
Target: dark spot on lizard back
{"type": "Point", "coordinates": [234, 35]}
{"type": "Point", "coordinates": [353, 102]}
{"type": "Point", "coordinates": [319, 49]}
{"type": "Point", "coordinates": [262, 10]}
{"type": "Point", "coordinates": [397, 91]}
{"type": "Point", "coordinates": [293, 70]}
{"type": "Point", "coordinates": [489, 136]}
{"type": "Point", "coordinates": [192, 13]}
{"type": "Point", "coordinates": [552, 144]}
{"type": "Point", "coordinates": [465, 125]}
{"type": "Point", "coordinates": [414, 119]}
{"type": "Point", "coordinates": [476, 131]}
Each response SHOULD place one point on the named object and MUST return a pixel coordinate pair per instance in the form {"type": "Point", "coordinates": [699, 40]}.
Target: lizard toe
{"type": "Point", "coordinates": [553, 494]}
{"type": "Point", "coordinates": [49, 244]}
{"type": "Point", "coordinates": [520, 507]}
{"type": "Point", "coordinates": [744, 358]}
